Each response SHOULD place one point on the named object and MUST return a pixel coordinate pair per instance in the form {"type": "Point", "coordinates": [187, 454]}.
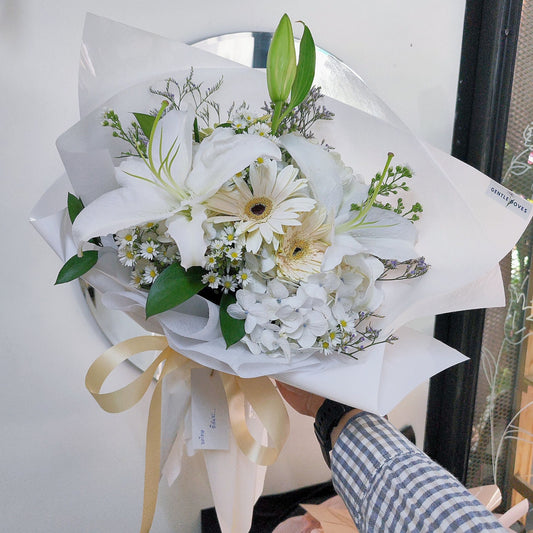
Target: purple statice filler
{"type": "Point", "coordinates": [395, 270]}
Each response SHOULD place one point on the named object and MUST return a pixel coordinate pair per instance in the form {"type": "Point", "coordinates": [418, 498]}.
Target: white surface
{"type": "Point", "coordinates": [65, 465]}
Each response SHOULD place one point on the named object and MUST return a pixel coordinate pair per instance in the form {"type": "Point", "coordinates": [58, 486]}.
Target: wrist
{"type": "Point", "coordinates": [330, 416]}
{"type": "Point", "coordinates": [337, 430]}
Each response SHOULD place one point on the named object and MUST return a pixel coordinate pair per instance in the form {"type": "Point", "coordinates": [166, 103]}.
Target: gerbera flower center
{"type": "Point", "coordinates": [258, 208]}
{"type": "Point", "coordinates": [298, 249]}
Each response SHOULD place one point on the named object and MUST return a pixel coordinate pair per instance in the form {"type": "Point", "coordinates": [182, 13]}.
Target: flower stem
{"type": "Point", "coordinates": [276, 116]}
{"type": "Point", "coordinates": [351, 224]}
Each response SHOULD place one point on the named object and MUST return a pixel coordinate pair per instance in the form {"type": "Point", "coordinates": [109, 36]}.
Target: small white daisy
{"type": "Point", "coordinates": [149, 274]}
{"type": "Point", "coordinates": [136, 279]}
{"type": "Point", "coordinates": [243, 276]}
{"type": "Point", "coordinates": [149, 249]}
{"type": "Point", "coordinates": [260, 129]}
{"type": "Point", "coordinates": [334, 337]}
{"type": "Point", "coordinates": [211, 279]}
{"type": "Point", "coordinates": [127, 256]}
{"type": "Point", "coordinates": [228, 283]}
{"type": "Point", "coordinates": [228, 235]}
{"type": "Point", "coordinates": [326, 347]}
{"type": "Point", "coordinates": [211, 262]}
{"type": "Point", "coordinates": [126, 237]}
{"type": "Point", "coordinates": [217, 246]}
{"type": "Point", "coordinates": [234, 253]}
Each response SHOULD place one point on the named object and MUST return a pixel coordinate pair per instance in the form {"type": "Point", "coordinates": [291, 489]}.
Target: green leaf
{"type": "Point", "coordinates": [74, 206]}
{"type": "Point", "coordinates": [281, 61]}
{"type": "Point", "coordinates": [195, 130]}
{"type": "Point", "coordinates": [77, 266]}
{"type": "Point", "coordinates": [172, 287]}
{"type": "Point", "coordinates": [146, 122]}
{"type": "Point", "coordinates": [232, 328]}
{"type": "Point", "coordinates": [305, 72]}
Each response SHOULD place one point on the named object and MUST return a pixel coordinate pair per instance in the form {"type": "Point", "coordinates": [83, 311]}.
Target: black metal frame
{"type": "Point", "coordinates": [483, 99]}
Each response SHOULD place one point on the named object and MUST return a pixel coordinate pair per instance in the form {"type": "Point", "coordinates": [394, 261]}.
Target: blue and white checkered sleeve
{"type": "Point", "coordinates": [390, 486]}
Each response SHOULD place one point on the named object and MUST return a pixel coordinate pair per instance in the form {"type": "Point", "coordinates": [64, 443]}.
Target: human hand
{"type": "Point", "coordinates": [302, 401]}
{"type": "Point", "coordinates": [308, 404]}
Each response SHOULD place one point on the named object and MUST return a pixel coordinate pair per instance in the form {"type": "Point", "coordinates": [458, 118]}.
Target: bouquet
{"type": "Point", "coordinates": [260, 228]}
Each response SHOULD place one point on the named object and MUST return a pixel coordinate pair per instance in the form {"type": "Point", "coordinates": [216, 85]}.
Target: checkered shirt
{"type": "Point", "coordinates": [390, 486]}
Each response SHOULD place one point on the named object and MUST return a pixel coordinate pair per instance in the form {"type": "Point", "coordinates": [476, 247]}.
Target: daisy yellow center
{"type": "Point", "coordinates": [244, 276]}
{"type": "Point", "coordinates": [258, 208]}
{"type": "Point", "coordinates": [343, 323]}
{"type": "Point", "coordinates": [150, 249]}
{"type": "Point", "coordinates": [130, 254]}
{"type": "Point", "coordinates": [128, 237]}
{"type": "Point", "coordinates": [211, 279]}
{"type": "Point", "coordinates": [152, 273]}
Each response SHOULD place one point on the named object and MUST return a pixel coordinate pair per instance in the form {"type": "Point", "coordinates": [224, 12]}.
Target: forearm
{"type": "Point", "coordinates": [390, 485]}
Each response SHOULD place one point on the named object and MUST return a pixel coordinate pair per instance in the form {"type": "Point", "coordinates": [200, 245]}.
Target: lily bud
{"type": "Point", "coordinates": [281, 62]}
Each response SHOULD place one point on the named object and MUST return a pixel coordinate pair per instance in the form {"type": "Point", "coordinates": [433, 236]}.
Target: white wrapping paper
{"type": "Point", "coordinates": [463, 233]}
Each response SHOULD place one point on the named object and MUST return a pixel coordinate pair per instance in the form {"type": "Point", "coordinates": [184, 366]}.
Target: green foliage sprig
{"type": "Point", "coordinates": [392, 182]}
{"type": "Point", "coordinates": [134, 135]}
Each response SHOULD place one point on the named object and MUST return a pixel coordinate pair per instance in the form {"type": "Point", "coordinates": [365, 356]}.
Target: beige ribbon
{"type": "Point", "coordinates": [260, 393]}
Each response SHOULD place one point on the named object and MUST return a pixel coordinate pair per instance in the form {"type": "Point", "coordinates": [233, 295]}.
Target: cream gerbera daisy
{"type": "Point", "coordinates": [302, 247]}
{"type": "Point", "coordinates": [262, 212]}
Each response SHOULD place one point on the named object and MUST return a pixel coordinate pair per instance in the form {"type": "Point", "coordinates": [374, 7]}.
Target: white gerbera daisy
{"type": "Point", "coordinates": [262, 213]}
{"type": "Point", "coordinates": [302, 247]}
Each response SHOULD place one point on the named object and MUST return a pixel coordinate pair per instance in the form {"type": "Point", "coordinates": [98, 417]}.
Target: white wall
{"type": "Point", "coordinates": [65, 465]}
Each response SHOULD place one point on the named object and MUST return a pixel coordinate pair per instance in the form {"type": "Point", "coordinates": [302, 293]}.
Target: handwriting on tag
{"type": "Point", "coordinates": [209, 406]}
{"type": "Point", "coordinates": [509, 199]}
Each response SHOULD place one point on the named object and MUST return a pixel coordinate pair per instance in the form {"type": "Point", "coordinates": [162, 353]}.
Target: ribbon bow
{"type": "Point", "coordinates": [260, 393]}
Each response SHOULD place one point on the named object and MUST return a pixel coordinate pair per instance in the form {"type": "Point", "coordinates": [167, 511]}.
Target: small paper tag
{"type": "Point", "coordinates": [509, 199]}
{"type": "Point", "coordinates": [209, 406]}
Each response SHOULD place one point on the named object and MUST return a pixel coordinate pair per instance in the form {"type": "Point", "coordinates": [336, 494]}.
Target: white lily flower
{"type": "Point", "coordinates": [381, 233]}
{"type": "Point", "coordinates": [172, 183]}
